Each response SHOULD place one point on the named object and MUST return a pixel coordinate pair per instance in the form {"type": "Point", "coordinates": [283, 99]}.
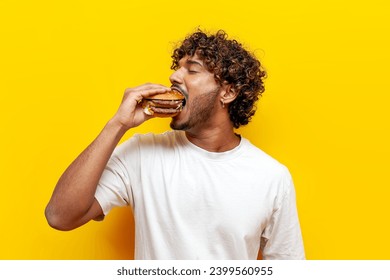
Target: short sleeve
{"type": "Point", "coordinates": [282, 237]}
{"type": "Point", "coordinates": [115, 185]}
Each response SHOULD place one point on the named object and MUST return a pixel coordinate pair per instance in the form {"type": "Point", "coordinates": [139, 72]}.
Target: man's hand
{"type": "Point", "coordinates": [130, 113]}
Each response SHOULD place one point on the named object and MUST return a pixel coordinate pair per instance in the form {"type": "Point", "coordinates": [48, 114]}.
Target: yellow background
{"type": "Point", "coordinates": [325, 113]}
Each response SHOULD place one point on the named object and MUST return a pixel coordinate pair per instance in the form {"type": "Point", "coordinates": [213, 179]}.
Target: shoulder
{"type": "Point", "coordinates": [263, 160]}
{"type": "Point", "coordinates": [144, 149]}
{"type": "Point", "coordinates": [267, 169]}
{"type": "Point", "coordinates": [148, 142]}
{"type": "Point", "coordinates": [151, 139]}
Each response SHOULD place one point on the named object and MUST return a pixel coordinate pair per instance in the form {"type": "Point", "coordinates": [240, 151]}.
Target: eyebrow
{"type": "Point", "coordinates": [192, 62]}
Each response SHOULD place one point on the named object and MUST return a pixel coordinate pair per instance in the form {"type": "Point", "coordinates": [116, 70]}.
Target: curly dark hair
{"type": "Point", "coordinates": [230, 63]}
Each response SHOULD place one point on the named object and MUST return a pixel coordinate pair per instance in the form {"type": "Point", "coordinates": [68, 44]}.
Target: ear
{"type": "Point", "coordinates": [228, 94]}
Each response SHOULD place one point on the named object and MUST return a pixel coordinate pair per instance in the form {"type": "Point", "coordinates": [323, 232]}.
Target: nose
{"type": "Point", "coordinates": [176, 77]}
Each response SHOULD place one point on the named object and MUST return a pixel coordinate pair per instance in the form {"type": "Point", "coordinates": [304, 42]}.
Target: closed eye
{"type": "Point", "coordinates": [193, 66]}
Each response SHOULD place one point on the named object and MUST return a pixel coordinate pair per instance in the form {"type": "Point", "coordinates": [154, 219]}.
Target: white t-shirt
{"type": "Point", "coordinates": [189, 203]}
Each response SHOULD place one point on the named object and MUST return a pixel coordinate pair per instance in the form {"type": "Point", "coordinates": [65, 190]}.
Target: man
{"type": "Point", "coordinates": [200, 191]}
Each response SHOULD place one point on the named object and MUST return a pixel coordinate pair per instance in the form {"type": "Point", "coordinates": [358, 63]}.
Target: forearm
{"type": "Point", "coordinates": [74, 193]}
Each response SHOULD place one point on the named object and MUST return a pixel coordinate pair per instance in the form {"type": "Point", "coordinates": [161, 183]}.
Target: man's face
{"type": "Point", "coordinates": [200, 89]}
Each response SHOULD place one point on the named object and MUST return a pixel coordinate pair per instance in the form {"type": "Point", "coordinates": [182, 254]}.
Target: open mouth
{"type": "Point", "coordinates": [184, 93]}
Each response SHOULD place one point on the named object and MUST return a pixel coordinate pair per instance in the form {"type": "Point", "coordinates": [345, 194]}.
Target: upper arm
{"type": "Point", "coordinates": [95, 212]}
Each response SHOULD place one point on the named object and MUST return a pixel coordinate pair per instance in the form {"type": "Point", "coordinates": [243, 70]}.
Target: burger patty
{"type": "Point", "coordinates": [162, 110]}
{"type": "Point", "coordinates": [165, 103]}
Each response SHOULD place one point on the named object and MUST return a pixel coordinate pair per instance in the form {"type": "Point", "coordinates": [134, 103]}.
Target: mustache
{"type": "Point", "coordinates": [179, 89]}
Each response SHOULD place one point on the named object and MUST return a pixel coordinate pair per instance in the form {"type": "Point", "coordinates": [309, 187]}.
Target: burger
{"type": "Point", "coordinates": [164, 105]}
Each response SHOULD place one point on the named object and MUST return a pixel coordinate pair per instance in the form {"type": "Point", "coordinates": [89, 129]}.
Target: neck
{"type": "Point", "coordinates": [217, 139]}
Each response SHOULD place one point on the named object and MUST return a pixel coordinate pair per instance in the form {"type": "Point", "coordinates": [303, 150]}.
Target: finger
{"type": "Point", "coordinates": [153, 91]}
{"type": "Point", "coordinates": [150, 86]}
{"type": "Point", "coordinates": [138, 94]}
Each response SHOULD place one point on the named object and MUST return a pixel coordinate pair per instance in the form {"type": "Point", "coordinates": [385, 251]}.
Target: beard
{"type": "Point", "coordinates": [200, 109]}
